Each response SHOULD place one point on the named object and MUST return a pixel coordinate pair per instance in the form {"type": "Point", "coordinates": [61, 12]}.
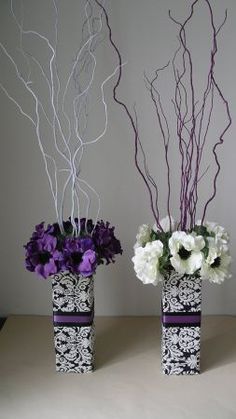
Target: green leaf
{"type": "Point", "coordinates": [201, 231]}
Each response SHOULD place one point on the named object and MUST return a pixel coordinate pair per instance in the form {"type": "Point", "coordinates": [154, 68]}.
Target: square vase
{"type": "Point", "coordinates": [181, 324]}
{"type": "Point", "coordinates": [73, 322]}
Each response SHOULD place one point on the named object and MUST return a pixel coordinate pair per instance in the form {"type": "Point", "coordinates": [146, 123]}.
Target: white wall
{"type": "Point", "coordinates": [147, 40]}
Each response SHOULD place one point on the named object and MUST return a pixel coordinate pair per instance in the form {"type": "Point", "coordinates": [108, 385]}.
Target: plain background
{"type": "Point", "coordinates": [147, 40]}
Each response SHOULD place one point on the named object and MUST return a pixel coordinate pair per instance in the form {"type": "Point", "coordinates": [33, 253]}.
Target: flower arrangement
{"type": "Point", "coordinates": [64, 112]}
{"type": "Point", "coordinates": [49, 251]}
{"type": "Point", "coordinates": [189, 247]}
{"type": "Point", "coordinates": [66, 98]}
{"type": "Point", "coordinates": [202, 251]}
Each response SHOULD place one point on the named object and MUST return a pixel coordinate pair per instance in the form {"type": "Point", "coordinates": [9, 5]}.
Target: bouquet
{"type": "Point", "coordinates": [51, 251]}
{"type": "Point", "coordinates": [202, 251]}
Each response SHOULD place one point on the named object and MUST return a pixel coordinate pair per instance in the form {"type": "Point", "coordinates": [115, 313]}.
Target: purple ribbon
{"type": "Point", "coordinates": [73, 319]}
{"type": "Point", "coordinates": [169, 319]}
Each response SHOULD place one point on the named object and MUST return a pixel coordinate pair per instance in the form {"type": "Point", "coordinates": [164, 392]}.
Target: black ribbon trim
{"type": "Point", "coordinates": [73, 313]}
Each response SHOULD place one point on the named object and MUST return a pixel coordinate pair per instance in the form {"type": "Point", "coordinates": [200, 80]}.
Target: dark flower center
{"type": "Point", "coordinates": [44, 258]}
{"type": "Point", "coordinates": [216, 263]}
{"type": "Point", "coordinates": [184, 254]}
{"type": "Point", "coordinates": [76, 257]}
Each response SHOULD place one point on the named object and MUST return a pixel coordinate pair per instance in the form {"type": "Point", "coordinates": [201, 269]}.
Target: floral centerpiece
{"type": "Point", "coordinates": [181, 254]}
{"type": "Point", "coordinates": [202, 252]}
{"type": "Point", "coordinates": [70, 258]}
{"type": "Point", "coordinates": [181, 260]}
{"type": "Point", "coordinates": [50, 252]}
{"type": "Point", "coordinates": [61, 110]}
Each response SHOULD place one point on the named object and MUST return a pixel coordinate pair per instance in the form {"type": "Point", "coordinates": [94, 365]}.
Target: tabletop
{"type": "Point", "coordinates": [127, 382]}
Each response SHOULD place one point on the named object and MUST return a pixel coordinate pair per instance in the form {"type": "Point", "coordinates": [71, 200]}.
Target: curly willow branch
{"type": "Point", "coordinates": [131, 119]}
{"type": "Point", "coordinates": [193, 119]}
{"type": "Point", "coordinates": [69, 140]}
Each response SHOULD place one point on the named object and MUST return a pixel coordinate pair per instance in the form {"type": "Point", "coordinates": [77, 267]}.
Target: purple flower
{"type": "Point", "coordinates": [48, 243]}
{"type": "Point", "coordinates": [39, 231]}
{"type": "Point", "coordinates": [74, 252]}
{"type": "Point", "coordinates": [89, 263]}
{"type": "Point", "coordinates": [46, 269]}
{"type": "Point", "coordinates": [50, 250]}
{"type": "Point", "coordinates": [86, 243]}
{"type": "Point", "coordinates": [42, 255]}
{"type": "Point", "coordinates": [107, 245]}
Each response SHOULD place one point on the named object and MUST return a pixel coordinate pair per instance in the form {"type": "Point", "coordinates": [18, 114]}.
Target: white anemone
{"type": "Point", "coordinates": [216, 266]}
{"type": "Point", "coordinates": [143, 236]}
{"type": "Point", "coordinates": [186, 252]}
{"type": "Point", "coordinates": [146, 262]}
{"type": "Point", "coordinates": [167, 224]}
{"type": "Point", "coordinates": [218, 231]}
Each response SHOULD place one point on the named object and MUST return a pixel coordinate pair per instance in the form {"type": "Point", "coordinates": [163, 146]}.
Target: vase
{"type": "Point", "coordinates": [181, 324]}
{"type": "Point", "coordinates": [73, 322]}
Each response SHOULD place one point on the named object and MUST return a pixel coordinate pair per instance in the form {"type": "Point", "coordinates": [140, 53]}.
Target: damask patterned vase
{"type": "Point", "coordinates": [181, 321]}
{"type": "Point", "coordinates": [73, 320]}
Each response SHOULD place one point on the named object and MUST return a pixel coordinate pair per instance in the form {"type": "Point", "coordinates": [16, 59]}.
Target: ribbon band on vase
{"type": "Point", "coordinates": [181, 319]}
{"type": "Point", "coordinates": [79, 319]}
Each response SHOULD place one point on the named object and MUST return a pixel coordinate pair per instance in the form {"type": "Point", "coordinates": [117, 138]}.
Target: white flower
{"type": "Point", "coordinates": [186, 252]}
{"type": "Point", "coordinates": [167, 224]}
{"type": "Point", "coordinates": [143, 236]}
{"type": "Point", "coordinates": [146, 262]}
{"type": "Point", "coordinates": [218, 231]}
{"type": "Point", "coordinates": [216, 266]}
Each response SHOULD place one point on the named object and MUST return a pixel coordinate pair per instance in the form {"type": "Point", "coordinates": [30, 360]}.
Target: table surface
{"type": "Point", "coordinates": [127, 382]}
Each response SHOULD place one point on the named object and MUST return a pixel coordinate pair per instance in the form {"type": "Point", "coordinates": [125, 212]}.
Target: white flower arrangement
{"type": "Point", "coordinates": [203, 252]}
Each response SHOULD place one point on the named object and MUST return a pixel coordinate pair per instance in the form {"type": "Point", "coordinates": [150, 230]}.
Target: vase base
{"type": "Point", "coordinates": [74, 348]}
{"type": "Point", "coordinates": [74, 330]}
{"type": "Point", "coordinates": [181, 350]}
{"type": "Point", "coordinates": [181, 373]}
{"type": "Point", "coordinates": [60, 369]}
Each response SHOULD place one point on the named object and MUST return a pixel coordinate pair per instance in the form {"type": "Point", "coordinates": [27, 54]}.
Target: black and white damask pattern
{"type": "Point", "coordinates": [181, 293]}
{"type": "Point", "coordinates": [181, 344]}
{"type": "Point", "coordinates": [72, 293]}
{"type": "Point", "coordinates": [74, 345]}
{"type": "Point", "coordinates": [74, 348]}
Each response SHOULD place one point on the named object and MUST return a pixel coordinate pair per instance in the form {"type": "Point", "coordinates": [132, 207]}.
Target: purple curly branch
{"type": "Point", "coordinates": [193, 120]}
{"type": "Point", "coordinates": [182, 37]}
{"type": "Point", "coordinates": [148, 176]}
{"type": "Point", "coordinates": [225, 102]}
{"type": "Point", "coordinates": [197, 139]}
{"type": "Point", "coordinates": [166, 137]}
{"type": "Point", "coordinates": [180, 125]}
{"type": "Point", "coordinates": [209, 89]}
{"type": "Point", "coordinates": [155, 211]}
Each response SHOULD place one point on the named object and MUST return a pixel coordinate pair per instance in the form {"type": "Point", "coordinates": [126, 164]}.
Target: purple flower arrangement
{"type": "Point", "coordinates": [50, 251]}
